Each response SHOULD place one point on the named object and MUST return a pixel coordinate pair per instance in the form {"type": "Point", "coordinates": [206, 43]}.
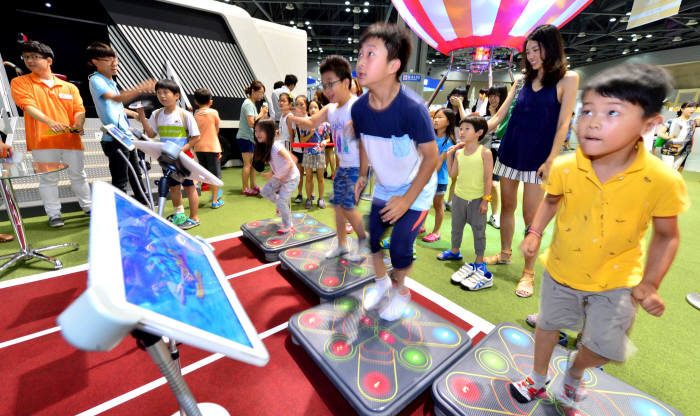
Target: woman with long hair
{"type": "Point", "coordinates": [534, 136]}
{"type": "Point", "coordinates": [245, 137]}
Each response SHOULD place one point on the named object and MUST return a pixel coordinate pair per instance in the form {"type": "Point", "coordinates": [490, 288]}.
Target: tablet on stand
{"type": "Point", "coordinates": [149, 278]}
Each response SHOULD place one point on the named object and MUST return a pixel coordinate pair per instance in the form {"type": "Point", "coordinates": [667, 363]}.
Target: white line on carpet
{"type": "Point", "coordinates": [70, 270]}
{"type": "Point", "coordinates": [57, 328]}
{"type": "Point", "coordinates": [161, 381]}
{"type": "Point", "coordinates": [29, 337]}
{"type": "Point", "coordinates": [468, 317]}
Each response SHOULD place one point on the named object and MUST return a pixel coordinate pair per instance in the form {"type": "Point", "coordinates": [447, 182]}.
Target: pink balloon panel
{"type": "Point", "coordinates": [449, 25]}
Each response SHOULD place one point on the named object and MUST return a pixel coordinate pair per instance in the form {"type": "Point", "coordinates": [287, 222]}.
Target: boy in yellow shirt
{"type": "Point", "coordinates": [605, 196]}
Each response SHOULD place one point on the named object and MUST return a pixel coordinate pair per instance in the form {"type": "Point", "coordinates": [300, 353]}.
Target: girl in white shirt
{"type": "Point", "coordinates": [284, 175]}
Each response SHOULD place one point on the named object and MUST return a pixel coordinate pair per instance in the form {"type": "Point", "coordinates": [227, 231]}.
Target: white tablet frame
{"type": "Point", "coordinates": [119, 136]}
{"type": "Point", "coordinates": [106, 277]}
{"type": "Point", "coordinates": [197, 171]}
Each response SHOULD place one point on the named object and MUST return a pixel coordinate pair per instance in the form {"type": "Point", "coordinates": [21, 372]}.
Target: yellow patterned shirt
{"type": "Point", "coordinates": [599, 232]}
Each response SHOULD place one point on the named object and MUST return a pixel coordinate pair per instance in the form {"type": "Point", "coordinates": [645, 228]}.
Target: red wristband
{"type": "Point", "coordinates": [537, 233]}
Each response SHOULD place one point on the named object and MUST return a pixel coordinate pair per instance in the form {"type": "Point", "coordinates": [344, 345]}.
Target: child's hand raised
{"type": "Point", "coordinates": [646, 296]}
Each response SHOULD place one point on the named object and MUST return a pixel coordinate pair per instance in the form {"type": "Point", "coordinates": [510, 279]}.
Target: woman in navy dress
{"type": "Point", "coordinates": [536, 131]}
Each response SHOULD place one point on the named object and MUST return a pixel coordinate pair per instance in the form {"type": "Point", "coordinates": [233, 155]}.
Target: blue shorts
{"type": "Point", "coordinates": [246, 146]}
{"type": "Point", "coordinates": [402, 236]}
{"type": "Point", "coordinates": [172, 182]}
{"type": "Point", "coordinates": [344, 187]}
{"type": "Point", "coordinates": [441, 189]}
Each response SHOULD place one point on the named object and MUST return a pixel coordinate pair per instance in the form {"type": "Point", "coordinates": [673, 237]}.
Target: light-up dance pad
{"type": "Point", "coordinates": [329, 278]}
{"type": "Point", "coordinates": [378, 366]}
{"type": "Point", "coordinates": [477, 384]}
{"type": "Point", "coordinates": [263, 233]}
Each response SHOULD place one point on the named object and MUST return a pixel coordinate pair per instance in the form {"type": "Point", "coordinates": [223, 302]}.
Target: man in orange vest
{"type": "Point", "coordinates": [53, 120]}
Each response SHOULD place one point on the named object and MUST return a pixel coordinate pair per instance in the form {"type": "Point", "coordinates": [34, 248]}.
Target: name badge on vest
{"type": "Point", "coordinates": [65, 96]}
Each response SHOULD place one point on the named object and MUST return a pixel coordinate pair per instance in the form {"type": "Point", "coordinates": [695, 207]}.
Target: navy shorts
{"type": "Point", "coordinates": [441, 189]}
{"type": "Point", "coordinates": [344, 187]}
{"type": "Point", "coordinates": [172, 182]}
{"type": "Point", "coordinates": [246, 146]}
{"type": "Point", "coordinates": [402, 236]}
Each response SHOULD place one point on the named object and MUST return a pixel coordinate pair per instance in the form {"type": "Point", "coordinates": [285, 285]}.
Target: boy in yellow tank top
{"type": "Point", "coordinates": [472, 164]}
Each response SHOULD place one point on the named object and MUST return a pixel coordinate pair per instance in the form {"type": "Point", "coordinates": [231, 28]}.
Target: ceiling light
{"type": "Point", "coordinates": [366, 3]}
{"type": "Point", "coordinates": [619, 39]}
{"type": "Point", "coordinates": [626, 51]}
{"type": "Point", "coordinates": [307, 23]}
{"type": "Point", "coordinates": [567, 58]}
{"type": "Point", "coordinates": [624, 19]}
{"type": "Point", "coordinates": [355, 26]}
{"type": "Point", "coordinates": [692, 22]}
{"type": "Point", "coordinates": [636, 49]}
{"type": "Point", "coordinates": [628, 13]}
{"type": "Point", "coordinates": [349, 39]}
{"type": "Point", "coordinates": [347, 9]}
{"type": "Point", "coordinates": [648, 35]}
{"type": "Point", "coordinates": [593, 49]}
{"type": "Point", "coordinates": [291, 22]}
{"type": "Point", "coordinates": [350, 58]}
{"type": "Point", "coordinates": [289, 6]}
{"type": "Point", "coordinates": [47, 4]}
{"type": "Point", "coordinates": [356, 10]}
{"type": "Point", "coordinates": [354, 51]}
{"type": "Point", "coordinates": [365, 10]}
{"type": "Point", "coordinates": [355, 40]}
{"type": "Point", "coordinates": [308, 27]}
{"type": "Point", "coordinates": [589, 59]}
{"type": "Point", "coordinates": [582, 34]}
{"type": "Point", "coordinates": [613, 19]}
{"type": "Point", "coordinates": [299, 24]}
{"type": "Point", "coordinates": [568, 66]}
{"type": "Point", "coordinates": [347, 3]}
{"type": "Point", "coordinates": [677, 39]}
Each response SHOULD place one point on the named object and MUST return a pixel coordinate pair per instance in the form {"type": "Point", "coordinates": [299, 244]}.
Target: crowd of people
{"type": "Point", "coordinates": [604, 195]}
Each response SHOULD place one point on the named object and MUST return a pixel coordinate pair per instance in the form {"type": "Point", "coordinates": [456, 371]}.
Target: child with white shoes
{"type": "Point", "coordinates": [472, 164]}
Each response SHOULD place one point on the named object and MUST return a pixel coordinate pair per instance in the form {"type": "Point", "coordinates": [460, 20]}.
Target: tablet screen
{"type": "Point", "coordinates": [169, 273]}
{"type": "Point", "coordinates": [119, 136]}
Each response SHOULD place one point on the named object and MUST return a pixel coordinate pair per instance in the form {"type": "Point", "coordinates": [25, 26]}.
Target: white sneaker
{"type": "Point", "coordinates": [480, 279]}
{"type": "Point", "coordinates": [495, 221]}
{"type": "Point", "coordinates": [356, 254]}
{"type": "Point", "coordinates": [395, 308]}
{"type": "Point", "coordinates": [337, 252]}
{"type": "Point", "coordinates": [374, 294]}
{"type": "Point", "coordinates": [464, 272]}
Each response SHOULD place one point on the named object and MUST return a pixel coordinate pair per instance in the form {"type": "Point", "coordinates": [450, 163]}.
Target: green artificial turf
{"type": "Point", "coordinates": [665, 364]}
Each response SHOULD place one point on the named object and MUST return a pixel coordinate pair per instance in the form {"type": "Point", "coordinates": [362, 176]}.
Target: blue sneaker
{"type": "Point", "coordinates": [217, 204]}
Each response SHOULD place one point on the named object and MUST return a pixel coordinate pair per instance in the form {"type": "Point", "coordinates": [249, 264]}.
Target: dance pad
{"type": "Point", "coordinates": [478, 383]}
{"type": "Point", "coordinates": [263, 233]}
{"type": "Point", "coordinates": [378, 366]}
{"type": "Point", "coordinates": [329, 278]}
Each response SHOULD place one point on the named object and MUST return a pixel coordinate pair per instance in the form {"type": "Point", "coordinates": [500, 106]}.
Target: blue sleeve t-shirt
{"type": "Point", "coordinates": [390, 138]}
{"type": "Point", "coordinates": [443, 144]}
{"type": "Point", "coordinates": [109, 112]}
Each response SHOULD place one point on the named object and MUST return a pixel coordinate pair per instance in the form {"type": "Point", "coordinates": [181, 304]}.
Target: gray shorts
{"type": "Point", "coordinates": [603, 318]}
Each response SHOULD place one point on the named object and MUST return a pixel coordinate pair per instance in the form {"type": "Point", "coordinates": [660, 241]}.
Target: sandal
{"type": "Point", "coordinates": [189, 223]}
{"type": "Point", "coordinates": [501, 258]}
{"type": "Point", "coordinates": [449, 255]}
{"type": "Point", "coordinates": [526, 285]}
{"type": "Point", "coordinates": [431, 238]}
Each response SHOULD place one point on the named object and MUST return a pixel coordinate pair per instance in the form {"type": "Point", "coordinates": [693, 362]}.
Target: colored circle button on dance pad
{"type": "Point", "coordinates": [478, 383]}
{"type": "Point", "coordinates": [390, 363]}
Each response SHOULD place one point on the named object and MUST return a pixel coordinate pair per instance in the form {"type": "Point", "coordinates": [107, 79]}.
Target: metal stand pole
{"type": "Point", "coordinates": [442, 81]}
{"type": "Point", "coordinates": [170, 370]}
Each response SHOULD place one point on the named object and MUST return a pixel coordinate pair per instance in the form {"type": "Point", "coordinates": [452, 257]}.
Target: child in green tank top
{"type": "Point", "coordinates": [472, 165]}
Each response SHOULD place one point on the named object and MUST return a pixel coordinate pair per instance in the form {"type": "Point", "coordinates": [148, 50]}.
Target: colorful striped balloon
{"type": "Point", "coordinates": [448, 25]}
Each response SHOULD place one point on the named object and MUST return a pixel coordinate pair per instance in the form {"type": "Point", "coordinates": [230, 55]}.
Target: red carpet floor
{"type": "Point", "coordinates": [46, 376]}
